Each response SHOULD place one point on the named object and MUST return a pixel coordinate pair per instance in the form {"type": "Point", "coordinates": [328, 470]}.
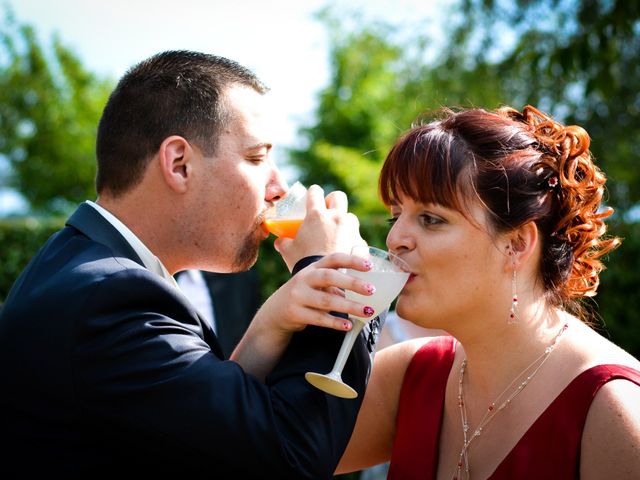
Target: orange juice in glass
{"type": "Point", "coordinates": [284, 219]}
{"type": "Point", "coordinates": [283, 227]}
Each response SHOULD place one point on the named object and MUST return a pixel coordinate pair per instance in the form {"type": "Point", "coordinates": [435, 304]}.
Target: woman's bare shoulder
{"type": "Point", "coordinates": [398, 356]}
{"type": "Point", "coordinates": [611, 435]}
{"type": "Point", "coordinates": [595, 349]}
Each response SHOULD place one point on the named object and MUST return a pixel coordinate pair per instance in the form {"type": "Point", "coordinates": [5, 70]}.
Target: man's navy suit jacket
{"type": "Point", "coordinates": [106, 369]}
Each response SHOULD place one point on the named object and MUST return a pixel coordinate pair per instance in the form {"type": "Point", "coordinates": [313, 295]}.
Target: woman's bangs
{"type": "Point", "coordinates": [418, 167]}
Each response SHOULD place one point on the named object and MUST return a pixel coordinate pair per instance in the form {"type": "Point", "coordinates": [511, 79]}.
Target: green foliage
{"type": "Point", "coordinates": [271, 269]}
{"type": "Point", "coordinates": [575, 60]}
{"type": "Point", "coordinates": [619, 294]}
{"type": "Point", "coordinates": [578, 60]}
{"type": "Point", "coordinates": [49, 109]}
{"type": "Point", "coordinates": [358, 174]}
{"type": "Point", "coordinates": [346, 147]}
{"type": "Point", "coordinates": [378, 89]}
{"type": "Point", "coordinates": [20, 239]}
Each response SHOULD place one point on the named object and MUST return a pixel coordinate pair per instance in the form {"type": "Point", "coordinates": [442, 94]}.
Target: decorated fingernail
{"type": "Point", "coordinates": [368, 311]}
{"type": "Point", "coordinates": [346, 325]}
{"type": "Point", "coordinates": [368, 265]}
{"type": "Point", "coordinates": [371, 289]}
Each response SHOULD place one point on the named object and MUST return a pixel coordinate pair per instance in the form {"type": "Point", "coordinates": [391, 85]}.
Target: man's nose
{"type": "Point", "coordinates": [277, 187]}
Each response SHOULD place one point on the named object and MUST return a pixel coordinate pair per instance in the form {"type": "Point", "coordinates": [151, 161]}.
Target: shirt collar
{"type": "Point", "coordinates": [150, 261]}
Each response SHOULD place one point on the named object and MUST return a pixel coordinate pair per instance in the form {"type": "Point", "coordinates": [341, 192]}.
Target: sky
{"type": "Point", "coordinates": [280, 40]}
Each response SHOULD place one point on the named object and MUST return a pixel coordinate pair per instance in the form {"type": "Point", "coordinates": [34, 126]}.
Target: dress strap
{"type": "Point", "coordinates": [415, 447]}
{"type": "Point", "coordinates": [551, 446]}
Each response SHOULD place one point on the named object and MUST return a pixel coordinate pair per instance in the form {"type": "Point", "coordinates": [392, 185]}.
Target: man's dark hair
{"type": "Point", "coordinates": [171, 93]}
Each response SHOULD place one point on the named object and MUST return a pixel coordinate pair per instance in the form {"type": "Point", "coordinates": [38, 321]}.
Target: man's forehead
{"type": "Point", "coordinates": [251, 116]}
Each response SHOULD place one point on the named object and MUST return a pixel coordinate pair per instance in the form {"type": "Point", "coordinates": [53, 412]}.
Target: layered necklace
{"type": "Point", "coordinates": [462, 470]}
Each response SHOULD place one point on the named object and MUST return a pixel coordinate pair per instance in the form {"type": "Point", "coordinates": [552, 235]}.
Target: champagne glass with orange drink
{"type": "Point", "coordinates": [286, 216]}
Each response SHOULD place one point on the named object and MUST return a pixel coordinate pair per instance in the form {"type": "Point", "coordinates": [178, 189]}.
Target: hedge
{"type": "Point", "coordinates": [20, 239]}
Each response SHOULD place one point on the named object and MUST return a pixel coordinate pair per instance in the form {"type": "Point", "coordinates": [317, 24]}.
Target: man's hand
{"type": "Point", "coordinates": [327, 228]}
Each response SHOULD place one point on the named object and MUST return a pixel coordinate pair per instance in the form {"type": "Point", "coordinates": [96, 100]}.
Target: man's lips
{"type": "Point", "coordinates": [263, 227]}
{"type": "Point", "coordinates": [265, 232]}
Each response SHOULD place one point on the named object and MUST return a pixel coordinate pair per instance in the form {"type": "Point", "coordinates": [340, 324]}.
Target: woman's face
{"type": "Point", "coordinates": [458, 268]}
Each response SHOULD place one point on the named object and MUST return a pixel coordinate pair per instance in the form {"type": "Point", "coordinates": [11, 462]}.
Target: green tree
{"type": "Point", "coordinates": [574, 59]}
{"type": "Point", "coordinates": [379, 86]}
{"type": "Point", "coordinates": [578, 60]}
{"type": "Point", "coordinates": [49, 109]}
{"type": "Point", "coordinates": [346, 146]}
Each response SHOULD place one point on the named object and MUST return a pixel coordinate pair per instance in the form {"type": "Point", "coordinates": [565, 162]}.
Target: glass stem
{"type": "Point", "coordinates": [347, 344]}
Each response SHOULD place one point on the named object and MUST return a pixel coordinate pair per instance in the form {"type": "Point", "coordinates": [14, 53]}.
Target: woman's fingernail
{"type": "Point", "coordinates": [368, 265]}
{"type": "Point", "coordinates": [368, 311]}
{"type": "Point", "coordinates": [371, 289]}
{"type": "Point", "coordinates": [346, 325]}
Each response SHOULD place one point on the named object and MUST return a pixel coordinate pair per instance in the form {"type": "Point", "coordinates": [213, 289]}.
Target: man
{"type": "Point", "coordinates": [105, 366]}
{"type": "Point", "coordinates": [227, 301]}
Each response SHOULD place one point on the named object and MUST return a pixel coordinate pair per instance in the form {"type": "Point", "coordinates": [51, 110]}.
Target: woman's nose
{"type": "Point", "coordinates": [399, 238]}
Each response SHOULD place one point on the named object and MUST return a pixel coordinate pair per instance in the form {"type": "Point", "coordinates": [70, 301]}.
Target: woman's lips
{"type": "Point", "coordinates": [411, 277]}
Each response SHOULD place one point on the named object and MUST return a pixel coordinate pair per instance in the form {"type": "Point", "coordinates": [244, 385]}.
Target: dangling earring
{"type": "Point", "coordinates": [513, 314]}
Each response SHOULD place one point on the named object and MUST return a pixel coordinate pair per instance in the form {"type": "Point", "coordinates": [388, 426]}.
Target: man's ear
{"type": "Point", "coordinates": [175, 155]}
{"type": "Point", "coordinates": [521, 244]}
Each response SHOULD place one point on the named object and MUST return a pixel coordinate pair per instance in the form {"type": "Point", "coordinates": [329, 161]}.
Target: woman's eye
{"type": "Point", "coordinates": [425, 219]}
{"type": "Point", "coordinates": [430, 220]}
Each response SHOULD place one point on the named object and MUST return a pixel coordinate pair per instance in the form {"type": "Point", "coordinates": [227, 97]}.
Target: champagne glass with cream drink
{"type": "Point", "coordinates": [388, 275]}
{"type": "Point", "coordinates": [286, 216]}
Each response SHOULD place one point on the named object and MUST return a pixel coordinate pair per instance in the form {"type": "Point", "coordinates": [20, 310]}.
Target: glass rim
{"type": "Point", "coordinates": [379, 252]}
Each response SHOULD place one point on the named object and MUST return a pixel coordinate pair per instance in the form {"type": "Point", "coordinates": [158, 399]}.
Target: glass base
{"type": "Point", "coordinates": [331, 384]}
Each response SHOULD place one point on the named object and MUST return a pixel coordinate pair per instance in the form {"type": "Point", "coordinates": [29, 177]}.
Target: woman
{"type": "Point", "coordinates": [498, 215]}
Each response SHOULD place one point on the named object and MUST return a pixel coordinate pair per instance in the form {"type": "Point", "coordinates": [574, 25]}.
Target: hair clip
{"type": "Point", "coordinates": [553, 181]}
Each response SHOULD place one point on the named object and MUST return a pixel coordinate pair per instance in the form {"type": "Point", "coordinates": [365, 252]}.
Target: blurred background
{"type": "Point", "coordinates": [346, 77]}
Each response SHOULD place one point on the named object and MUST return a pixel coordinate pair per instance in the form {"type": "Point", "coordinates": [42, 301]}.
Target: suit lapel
{"type": "Point", "coordinates": [89, 221]}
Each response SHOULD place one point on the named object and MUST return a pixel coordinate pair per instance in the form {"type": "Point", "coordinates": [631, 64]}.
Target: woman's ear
{"type": "Point", "coordinates": [175, 162]}
{"type": "Point", "coordinates": [522, 244]}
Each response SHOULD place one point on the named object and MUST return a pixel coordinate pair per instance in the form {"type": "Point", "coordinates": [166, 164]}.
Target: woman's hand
{"type": "Point", "coordinates": [306, 299]}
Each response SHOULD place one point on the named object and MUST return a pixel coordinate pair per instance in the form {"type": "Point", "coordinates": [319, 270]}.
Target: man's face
{"type": "Point", "coordinates": [235, 186]}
